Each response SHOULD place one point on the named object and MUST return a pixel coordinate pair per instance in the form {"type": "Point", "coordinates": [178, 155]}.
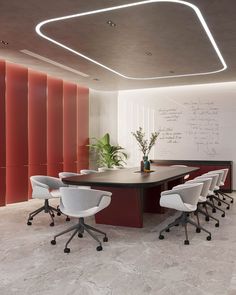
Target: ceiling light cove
{"type": "Point", "coordinates": [195, 9]}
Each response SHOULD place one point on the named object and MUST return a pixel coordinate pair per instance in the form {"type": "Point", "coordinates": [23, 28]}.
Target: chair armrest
{"type": "Point", "coordinates": [104, 202]}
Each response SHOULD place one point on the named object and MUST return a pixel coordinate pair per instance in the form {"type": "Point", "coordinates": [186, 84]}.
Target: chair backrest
{"type": "Point", "coordinates": [67, 174]}
{"type": "Point", "coordinates": [220, 173]}
{"type": "Point", "coordinates": [77, 199]}
{"type": "Point", "coordinates": [214, 178]}
{"type": "Point", "coordinates": [42, 185]}
{"type": "Point", "coordinates": [88, 171]}
{"type": "Point", "coordinates": [226, 171]}
{"type": "Point", "coordinates": [189, 193]}
{"type": "Point", "coordinates": [206, 185]}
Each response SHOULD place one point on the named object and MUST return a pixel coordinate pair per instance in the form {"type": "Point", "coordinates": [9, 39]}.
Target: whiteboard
{"type": "Point", "coordinates": [195, 122]}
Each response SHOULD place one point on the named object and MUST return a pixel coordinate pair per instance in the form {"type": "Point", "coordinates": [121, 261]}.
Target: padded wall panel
{"type": "Point", "coordinates": [54, 126]}
{"type": "Point", "coordinates": [69, 127]}
{"type": "Point", "coordinates": [16, 133]}
{"type": "Point", "coordinates": [2, 135]}
{"type": "Point", "coordinates": [82, 127]}
{"type": "Point", "coordinates": [37, 126]}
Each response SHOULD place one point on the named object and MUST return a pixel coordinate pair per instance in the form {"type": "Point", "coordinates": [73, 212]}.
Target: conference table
{"type": "Point", "coordinates": [133, 192]}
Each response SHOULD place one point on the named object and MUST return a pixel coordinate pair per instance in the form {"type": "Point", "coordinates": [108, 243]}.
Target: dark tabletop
{"type": "Point", "coordinates": [130, 177]}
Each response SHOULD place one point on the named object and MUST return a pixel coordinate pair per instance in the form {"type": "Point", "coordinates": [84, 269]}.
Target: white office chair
{"type": "Point", "coordinates": [45, 188]}
{"type": "Point", "coordinates": [81, 203]}
{"type": "Point", "coordinates": [88, 171]}
{"type": "Point", "coordinates": [69, 174]}
{"type": "Point", "coordinates": [185, 199]}
{"type": "Point", "coordinates": [217, 187]}
{"type": "Point", "coordinates": [211, 196]}
{"type": "Point", "coordinates": [222, 193]}
{"type": "Point", "coordinates": [203, 198]}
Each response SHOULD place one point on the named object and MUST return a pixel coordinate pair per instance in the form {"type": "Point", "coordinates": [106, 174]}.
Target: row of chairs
{"type": "Point", "coordinates": [75, 201]}
{"type": "Point", "coordinates": [196, 196]}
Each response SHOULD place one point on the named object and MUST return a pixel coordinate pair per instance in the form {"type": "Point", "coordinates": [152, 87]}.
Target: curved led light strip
{"type": "Point", "coordinates": [195, 8]}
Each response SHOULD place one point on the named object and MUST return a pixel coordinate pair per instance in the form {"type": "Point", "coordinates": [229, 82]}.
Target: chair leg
{"type": "Point", "coordinates": [167, 228]}
{"type": "Point", "coordinates": [201, 228]}
{"type": "Point", "coordinates": [186, 242]}
{"type": "Point", "coordinates": [207, 216]}
{"type": "Point", "coordinates": [226, 195]}
{"type": "Point", "coordinates": [95, 229]}
{"type": "Point", "coordinates": [214, 207]}
{"type": "Point", "coordinates": [217, 198]}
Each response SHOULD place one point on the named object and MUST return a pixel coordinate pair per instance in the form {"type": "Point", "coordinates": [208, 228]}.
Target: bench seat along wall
{"type": "Point", "coordinates": [43, 129]}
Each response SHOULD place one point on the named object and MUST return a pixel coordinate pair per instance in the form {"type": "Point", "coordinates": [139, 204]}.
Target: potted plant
{"type": "Point", "coordinates": [145, 146]}
{"type": "Point", "coordinates": [109, 156]}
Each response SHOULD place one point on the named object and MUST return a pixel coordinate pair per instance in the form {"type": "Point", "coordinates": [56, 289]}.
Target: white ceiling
{"type": "Point", "coordinates": [152, 45]}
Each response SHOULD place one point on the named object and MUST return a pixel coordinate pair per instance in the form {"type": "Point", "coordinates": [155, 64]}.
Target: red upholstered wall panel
{"type": "Point", "coordinates": [2, 135]}
{"type": "Point", "coordinates": [37, 130]}
{"type": "Point", "coordinates": [82, 127]}
{"type": "Point", "coordinates": [16, 133]}
{"type": "Point", "coordinates": [54, 126]}
{"type": "Point", "coordinates": [69, 127]}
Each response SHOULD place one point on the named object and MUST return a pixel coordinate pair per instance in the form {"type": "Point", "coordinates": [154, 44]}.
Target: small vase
{"type": "Point", "coordinates": [146, 163]}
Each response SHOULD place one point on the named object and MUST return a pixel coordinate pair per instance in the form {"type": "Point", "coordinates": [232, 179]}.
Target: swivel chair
{"type": "Point", "coordinates": [223, 194]}
{"type": "Point", "coordinates": [70, 174]}
{"type": "Point", "coordinates": [45, 188]}
{"type": "Point", "coordinates": [81, 203]}
{"type": "Point", "coordinates": [183, 199]}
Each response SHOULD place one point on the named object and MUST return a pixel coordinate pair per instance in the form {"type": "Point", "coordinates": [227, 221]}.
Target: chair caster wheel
{"type": "Point", "coordinates": [99, 248]}
{"type": "Point", "coordinates": [219, 203]}
{"type": "Point", "coordinates": [223, 215]}
{"type": "Point", "coordinates": [52, 224]}
{"type": "Point", "coordinates": [213, 210]}
{"type": "Point", "coordinates": [58, 213]}
{"type": "Point", "coordinates": [67, 218]}
{"type": "Point", "coordinates": [29, 223]}
{"type": "Point", "coordinates": [167, 230]}
{"type": "Point", "coordinates": [207, 218]}
{"type": "Point", "coordinates": [53, 242]}
{"type": "Point", "coordinates": [227, 208]}
{"type": "Point", "coordinates": [31, 218]}
{"type": "Point", "coordinates": [80, 235]}
{"type": "Point", "coordinates": [231, 201]}
{"type": "Point", "coordinates": [177, 224]}
{"type": "Point", "coordinates": [224, 198]}
{"type": "Point", "coordinates": [67, 250]}
{"type": "Point", "coordinates": [186, 242]}
{"type": "Point", "coordinates": [53, 215]}
{"type": "Point", "coordinates": [217, 224]}
{"type": "Point", "coordinates": [105, 239]}
{"type": "Point", "coordinates": [161, 237]}
{"type": "Point", "coordinates": [208, 238]}
{"type": "Point", "coordinates": [198, 230]}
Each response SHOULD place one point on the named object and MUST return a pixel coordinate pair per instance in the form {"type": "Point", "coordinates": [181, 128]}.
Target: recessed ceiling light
{"type": "Point", "coordinates": [110, 23]}
{"type": "Point", "coordinates": [172, 72]}
{"type": "Point", "coordinates": [148, 53]}
{"type": "Point", "coordinates": [4, 42]}
{"type": "Point", "coordinates": [95, 79]}
{"type": "Point", "coordinates": [192, 6]}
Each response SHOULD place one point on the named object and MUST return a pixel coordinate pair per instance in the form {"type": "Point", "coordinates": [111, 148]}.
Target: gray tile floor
{"type": "Point", "coordinates": [133, 262]}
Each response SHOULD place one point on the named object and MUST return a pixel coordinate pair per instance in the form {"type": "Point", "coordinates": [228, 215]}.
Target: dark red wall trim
{"type": "Point", "coordinates": [69, 127]}
{"type": "Point", "coordinates": [55, 126]}
{"type": "Point", "coordinates": [2, 135]}
{"type": "Point", "coordinates": [16, 133]}
{"type": "Point", "coordinates": [82, 127]}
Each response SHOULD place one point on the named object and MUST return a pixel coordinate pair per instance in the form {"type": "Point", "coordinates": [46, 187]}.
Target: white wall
{"type": "Point", "coordinates": [102, 117]}
{"type": "Point", "coordinates": [195, 122]}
